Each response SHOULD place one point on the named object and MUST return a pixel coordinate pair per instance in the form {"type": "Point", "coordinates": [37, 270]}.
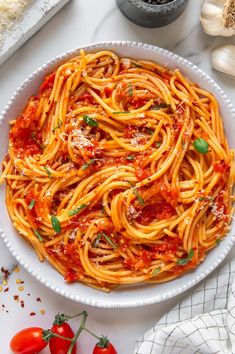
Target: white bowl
{"type": "Point", "coordinates": [128, 296]}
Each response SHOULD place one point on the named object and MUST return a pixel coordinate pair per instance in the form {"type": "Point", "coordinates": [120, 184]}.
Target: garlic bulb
{"type": "Point", "coordinates": [223, 59]}
{"type": "Point", "coordinates": [218, 17]}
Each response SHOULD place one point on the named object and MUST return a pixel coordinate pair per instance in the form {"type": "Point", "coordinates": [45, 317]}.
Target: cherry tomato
{"type": "Point", "coordinates": [58, 345]}
{"type": "Point", "coordinates": [28, 341]}
{"type": "Point", "coordinates": [109, 349]}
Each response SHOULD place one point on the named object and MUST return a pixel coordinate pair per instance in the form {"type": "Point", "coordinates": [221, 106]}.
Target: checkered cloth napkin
{"type": "Point", "coordinates": [203, 323]}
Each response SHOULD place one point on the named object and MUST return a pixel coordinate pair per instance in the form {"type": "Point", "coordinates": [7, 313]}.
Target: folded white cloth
{"type": "Point", "coordinates": [202, 323]}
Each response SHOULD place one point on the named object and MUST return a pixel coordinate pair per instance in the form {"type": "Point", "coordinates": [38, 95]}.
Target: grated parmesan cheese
{"type": "Point", "coordinates": [10, 12]}
{"type": "Point", "coordinates": [138, 139]}
{"type": "Point", "coordinates": [132, 213]}
{"type": "Point", "coordinates": [217, 211]}
{"type": "Point", "coordinates": [79, 139]}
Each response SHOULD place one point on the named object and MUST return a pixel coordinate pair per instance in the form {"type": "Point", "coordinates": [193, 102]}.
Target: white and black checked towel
{"type": "Point", "coordinates": [203, 323]}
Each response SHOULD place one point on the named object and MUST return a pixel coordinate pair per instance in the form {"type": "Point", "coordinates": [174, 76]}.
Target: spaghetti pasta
{"type": "Point", "coordinates": [119, 171]}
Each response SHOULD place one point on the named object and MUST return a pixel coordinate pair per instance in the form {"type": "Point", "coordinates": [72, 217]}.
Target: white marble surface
{"type": "Point", "coordinates": [81, 22]}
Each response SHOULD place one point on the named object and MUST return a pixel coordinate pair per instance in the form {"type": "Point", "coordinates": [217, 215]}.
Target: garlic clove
{"type": "Point", "coordinates": [229, 14]}
{"type": "Point", "coordinates": [218, 17]}
{"type": "Point", "coordinates": [223, 59]}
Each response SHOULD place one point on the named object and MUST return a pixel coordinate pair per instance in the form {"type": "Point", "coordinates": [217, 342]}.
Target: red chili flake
{"type": "Point", "coordinates": [32, 313]}
{"type": "Point", "coordinates": [7, 289]}
{"type": "Point", "coordinates": [3, 306]}
{"type": "Point", "coordinates": [22, 303]}
{"type": "Point", "coordinates": [38, 299]}
{"type": "Point", "coordinates": [5, 273]}
{"type": "Point", "coordinates": [28, 294]}
{"type": "Point", "coordinates": [16, 297]}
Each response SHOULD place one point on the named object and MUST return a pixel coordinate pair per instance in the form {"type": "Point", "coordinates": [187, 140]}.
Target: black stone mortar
{"type": "Point", "coordinates": [149, 15]}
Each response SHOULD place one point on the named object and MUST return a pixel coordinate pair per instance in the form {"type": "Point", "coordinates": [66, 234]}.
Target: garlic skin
{"type": "Point", "coordinates": [216, 17]}
{"type": "Point", "coordinates": [223, 59]}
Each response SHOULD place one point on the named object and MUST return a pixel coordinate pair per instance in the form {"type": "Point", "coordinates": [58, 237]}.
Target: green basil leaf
{"type": "Point", "coordinates": [90, 121]}
{"type": "Point", "coordinates": [32, 203]}
{"type": "Point", "coordinates": [156, 271]}
{"type": "Point", "coordinates": [156, 107]}
{"type": "Point", "coordinates": [38, 235]}
{"type": "Point", "coordinates": [201, 145]}
{"type": "Point", "coordinates": [58, 125]}
{"type": "Point", "coordinates": [140, 199]}
{"type": "Point", "coordinates": [88, 164]}
{"type": "Point", "coordinates": [205, 198]}
{"type": "Point", "coordinates": [42, 147]}
{"type": "Point", "coordinates": [134, 65]}
{"type": "Point", "coordinates": [97, 240]}
{"type": "Point", "coordinates": [107, 238]}
{"type": "Point", "coordinates": [55, 224]}
{"type": "Point", "coordinates": [158, 144]}
{"type": "Point", "coordinates": [77, 209]}
{"type": "Point", "coordinates": [150, 131]}
{"type": "Point", "coordinates": [218, 241]}
{"type": "Point", "coordinates": [186, 260]}
{"type": "Point", "coordinates": [47, 171]}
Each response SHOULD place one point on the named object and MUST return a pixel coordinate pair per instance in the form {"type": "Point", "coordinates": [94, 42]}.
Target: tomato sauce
{"type": "Point", "coordinates": [160, 210]}
{"type": "Point", "coordinates": [48, 82]}
{"type": "Point", "coordinates": [25, 134]}
{"type": "Point", "coordinates": [143, 260]}
{"type": "Point", "coordinates": [222, 167]}
{"type": "Point", "coordinates": [142, 173]}
{"type": "Point", "coordinates": [169, 244]}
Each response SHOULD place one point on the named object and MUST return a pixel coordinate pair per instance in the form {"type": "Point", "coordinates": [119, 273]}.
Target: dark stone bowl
{"type": "Point", "coordinates": [147, 15]}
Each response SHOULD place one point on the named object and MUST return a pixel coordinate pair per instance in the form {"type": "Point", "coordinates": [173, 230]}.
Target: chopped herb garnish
{"type": "Point", "coordinates": [158, 144]}
{"type": "Point", "coordinates": [59, 124]}
{"type": "Point", "coordinates": [218, 241]}
{"type": "Point", "coordinates": [38, 235]}
{"type": "Point", "coordinates": [140, 199]}
{"type": "Point", "coordinates": [107, 238]}
{"type": "Point", "coordinates": [130, 157]}
{"type": "Point", "coordinates": [204, 198]}
{"type": "Point", "coordinates": [32, 203]}
{"type": "Point", "coordinates": [156, 271]}
{"type": "Point", "coordinates": [90, 121]}
{"type": "Point", "coordinates": [88, 164]}
{"type": "Point", "coordinates": [183, 144]}
{"type": "Point", "coordinates": [156, 107]}
{"type": "Point", "coordinates": [134, 65]}
{"type": "Point", "coordinates": [77, 210]}
{"type": "Point", "coordinates": [55, 224]}
{"type": "Point", "coordinates": [150, 131]}
{"type": "Point", "coordinates": [130, 89]}
{"type": "Point", "coordinates": [47, 171]}
{"type": "Point", "coordinates": [201, 145]}
{"type": "Point", "coordinates": [187, 259]}
{"type": "Point", "coordinates": [97, 240]}
{"type": "Point", "coordinates": [123, 112]}
{"type": "Point", "coordinates": [42, 147]}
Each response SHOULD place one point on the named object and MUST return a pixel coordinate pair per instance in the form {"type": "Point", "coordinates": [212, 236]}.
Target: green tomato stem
{"type": "Point", "coordinates": [73, 316]}
{"type": "Point", "coordinates": [94, 335]}
{"type": "Point", "coordinates": [62, 337]}
{"type": "Point", "coordinates": [48, 334]}
{"type": "Point", "coordinates": [80, 329]}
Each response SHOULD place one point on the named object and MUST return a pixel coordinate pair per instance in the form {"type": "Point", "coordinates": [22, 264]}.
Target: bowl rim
{"type": "Point", "coordinates": [155, 298]}
{"type": "Point", "coordinates": [157, 9]}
